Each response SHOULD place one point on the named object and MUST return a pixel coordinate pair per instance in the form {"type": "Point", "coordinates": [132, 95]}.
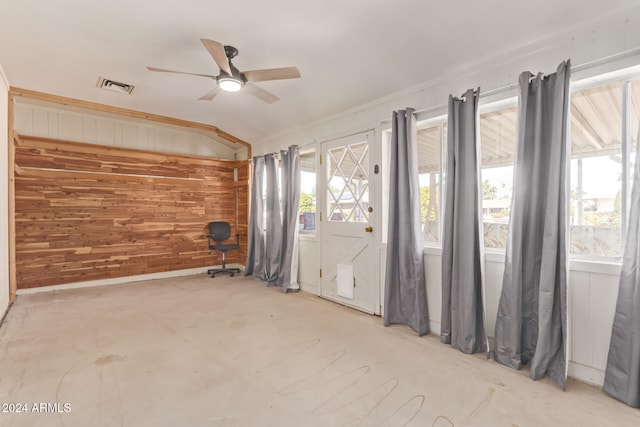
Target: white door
{"type": "Point", "coordinates": [349, 263]}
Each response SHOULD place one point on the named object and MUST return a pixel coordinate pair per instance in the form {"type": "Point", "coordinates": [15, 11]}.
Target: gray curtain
{"type": "Point", "coordinates": [288, 266]}
{"type": "Point", "coordinates": [531, 327]}
{"type": "Point", "coordinates": [273, 230]}
{"type": "Point", "coordinates": [255, 265]}
{"type": "Point", "coordinates": [405, 289]}
{"type": "Point", "coordinates": [463, 316]}
{"type": "Point", "coordinates": [273, 246]}
{"type": "Point", "coordinates": [622, 376]}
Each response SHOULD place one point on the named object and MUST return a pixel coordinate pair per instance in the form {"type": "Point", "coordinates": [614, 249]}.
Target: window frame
{"type": "Point", "coordinates": [509, 100]}
{"type": "Point", "coordinates": [505, 103]}
{"type": "Point", "coordinates": [440, 122]}
{"type": "Point", "coordinates": [626, 79]}
{"type": "Point", "coordinates": [303, 152]}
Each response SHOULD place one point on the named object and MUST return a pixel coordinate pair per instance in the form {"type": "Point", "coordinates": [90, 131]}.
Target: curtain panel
{"type": "Point", "coordinates": [288, 266]}
{"type": "Point", "coordinates": [256, 249]}
{"type": "Point", "coordinates": [531, 325]}
{"type": "Point", "coordinates": [272, 255]}
{"type": "Point", "coordinates": [463, 316]}
{"type": "Point", "coordinates": [622, 375]}
{"type": "Point", "coordinates": [273, 230]}
{"type": "Point", "coordinates": [405, 299]}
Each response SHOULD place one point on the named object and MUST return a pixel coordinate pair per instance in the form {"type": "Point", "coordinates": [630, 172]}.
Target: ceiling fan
{"type": "Point", "coordinates": [231, 79]}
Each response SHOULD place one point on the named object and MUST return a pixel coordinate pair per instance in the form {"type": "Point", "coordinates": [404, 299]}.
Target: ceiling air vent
{"type": "Point", "coordinates": [114, 86]}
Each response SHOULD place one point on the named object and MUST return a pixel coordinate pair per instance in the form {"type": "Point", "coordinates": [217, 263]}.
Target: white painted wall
{"type": "Point", "coordinates": [608, 45]}
{"type": "Point", "coordinates": [38, 120]}
{"type": "Point", "coordinates": [309, 270]}
{"type": "Point", "coordinates": [4, 195]}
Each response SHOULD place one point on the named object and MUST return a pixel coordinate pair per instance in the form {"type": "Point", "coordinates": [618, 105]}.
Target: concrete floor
{"type": "Point", "coordinates": [197, 351]}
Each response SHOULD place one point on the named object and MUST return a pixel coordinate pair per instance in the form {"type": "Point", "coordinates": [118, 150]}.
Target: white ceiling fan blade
{"type": "Point", "coordinates": [258, 92]}
{"type": "Point", "coordinates": [216, 50]}
{"type": "Point", "coordinates": [272, 74]}
{"type": "Point", "coordinates": [210, 95]}
{"type": "Point", "coordinates": [163, 70]}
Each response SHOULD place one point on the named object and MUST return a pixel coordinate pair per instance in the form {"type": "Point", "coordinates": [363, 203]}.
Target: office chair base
{"type": "Point", "coordinates": [232, 270]}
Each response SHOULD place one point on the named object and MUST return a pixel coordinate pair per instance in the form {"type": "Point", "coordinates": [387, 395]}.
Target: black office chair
{"type": "Point", "coordinates": [218, 233]}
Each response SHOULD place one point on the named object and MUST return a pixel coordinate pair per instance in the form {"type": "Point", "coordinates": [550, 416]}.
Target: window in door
{"type": "Point", "coordinates": [348, 183]}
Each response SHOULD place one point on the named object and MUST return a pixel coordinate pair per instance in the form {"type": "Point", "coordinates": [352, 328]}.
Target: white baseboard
{"type": "Point", "coordinates": [577, 371]}
{"type": "Point", "coordinates": [586, 374]}
{"type": "Point", "coordinates": [309, 288]}
{"type": "Point", "coordinates": [435, 327]}
{"type": "Point", "coordinates": [120, 280]}
{"type": "Point", "coordinates": [4, 315]}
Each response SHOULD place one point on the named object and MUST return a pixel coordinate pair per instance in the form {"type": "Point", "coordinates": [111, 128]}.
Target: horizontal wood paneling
{"type": "Point", "coordinates": [88, 212]}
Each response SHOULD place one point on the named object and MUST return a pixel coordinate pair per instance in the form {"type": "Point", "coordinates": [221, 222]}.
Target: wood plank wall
{"type": "Point", "coordinates": [88, 212]}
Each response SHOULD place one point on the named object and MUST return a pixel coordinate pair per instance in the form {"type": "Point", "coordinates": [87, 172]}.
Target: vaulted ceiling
{"type": "Point", "coordinates": [348, 52]}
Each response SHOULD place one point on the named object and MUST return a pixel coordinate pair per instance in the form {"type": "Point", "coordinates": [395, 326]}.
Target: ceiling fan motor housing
{"type": "Point", "coordinates": [236, 80]}
{"type": "Point", "coordinates": [230, 51]}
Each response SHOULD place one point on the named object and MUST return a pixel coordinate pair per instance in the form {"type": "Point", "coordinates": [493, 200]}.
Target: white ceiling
{"type": "Point", "coordinates": [348, 52]}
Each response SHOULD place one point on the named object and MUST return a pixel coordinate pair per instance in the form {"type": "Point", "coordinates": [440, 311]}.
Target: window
{"type": "Point", "coordinates": [605, 122]}
{"type": "Point", "coordinates": [308, 192]}
{"type": "Point", "coordinates": [634, 124]}
{"type": "Point", "coordinates": [498, 143]}
{"type": "Point", "coordinates": [348, 183]}
{"type": "Point", "coordinates": [430, 143]}
{"type": "Point", "coordinates": [635, 116]}
{"type": "Point", "coordinates": [596, 170]}
{"type": "Point", "coordinates": [498, 136]}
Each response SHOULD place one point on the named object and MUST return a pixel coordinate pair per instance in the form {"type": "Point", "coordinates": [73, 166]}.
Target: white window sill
{"type": "Point", "coordinates": [610, 266]}
{"type": "Point", "coordinates": [308, 237]}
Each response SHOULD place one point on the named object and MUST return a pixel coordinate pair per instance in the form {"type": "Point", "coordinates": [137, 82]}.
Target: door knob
{"type": "Point", "coordinates": [369, 229]}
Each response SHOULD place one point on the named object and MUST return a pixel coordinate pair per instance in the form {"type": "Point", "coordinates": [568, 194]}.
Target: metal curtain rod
{"type": "Point", "coordinates": [276, 154]}
{"type": "Point", "coordinates": [574, 68]}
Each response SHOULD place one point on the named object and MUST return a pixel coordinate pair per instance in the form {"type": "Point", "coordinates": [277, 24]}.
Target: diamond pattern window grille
{"type": "Point", "coordinates": [348, 183]}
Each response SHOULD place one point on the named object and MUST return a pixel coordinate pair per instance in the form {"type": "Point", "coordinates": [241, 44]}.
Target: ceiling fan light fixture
{"type": "Point", "coordinates": [231, 79]}
{"type": "Point", "coordinates": [230, 83]}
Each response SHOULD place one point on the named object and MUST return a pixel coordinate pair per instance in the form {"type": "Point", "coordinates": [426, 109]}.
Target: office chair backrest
{"type": "Point", "coordinates": [219, 231]}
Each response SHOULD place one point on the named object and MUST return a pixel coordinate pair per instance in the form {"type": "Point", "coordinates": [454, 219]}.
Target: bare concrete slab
{"type": "Point", "coordinates": [196, 351]}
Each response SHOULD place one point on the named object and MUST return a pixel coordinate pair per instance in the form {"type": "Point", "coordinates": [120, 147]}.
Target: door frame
{"type": "Point", "coordinates": [375, 219]}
